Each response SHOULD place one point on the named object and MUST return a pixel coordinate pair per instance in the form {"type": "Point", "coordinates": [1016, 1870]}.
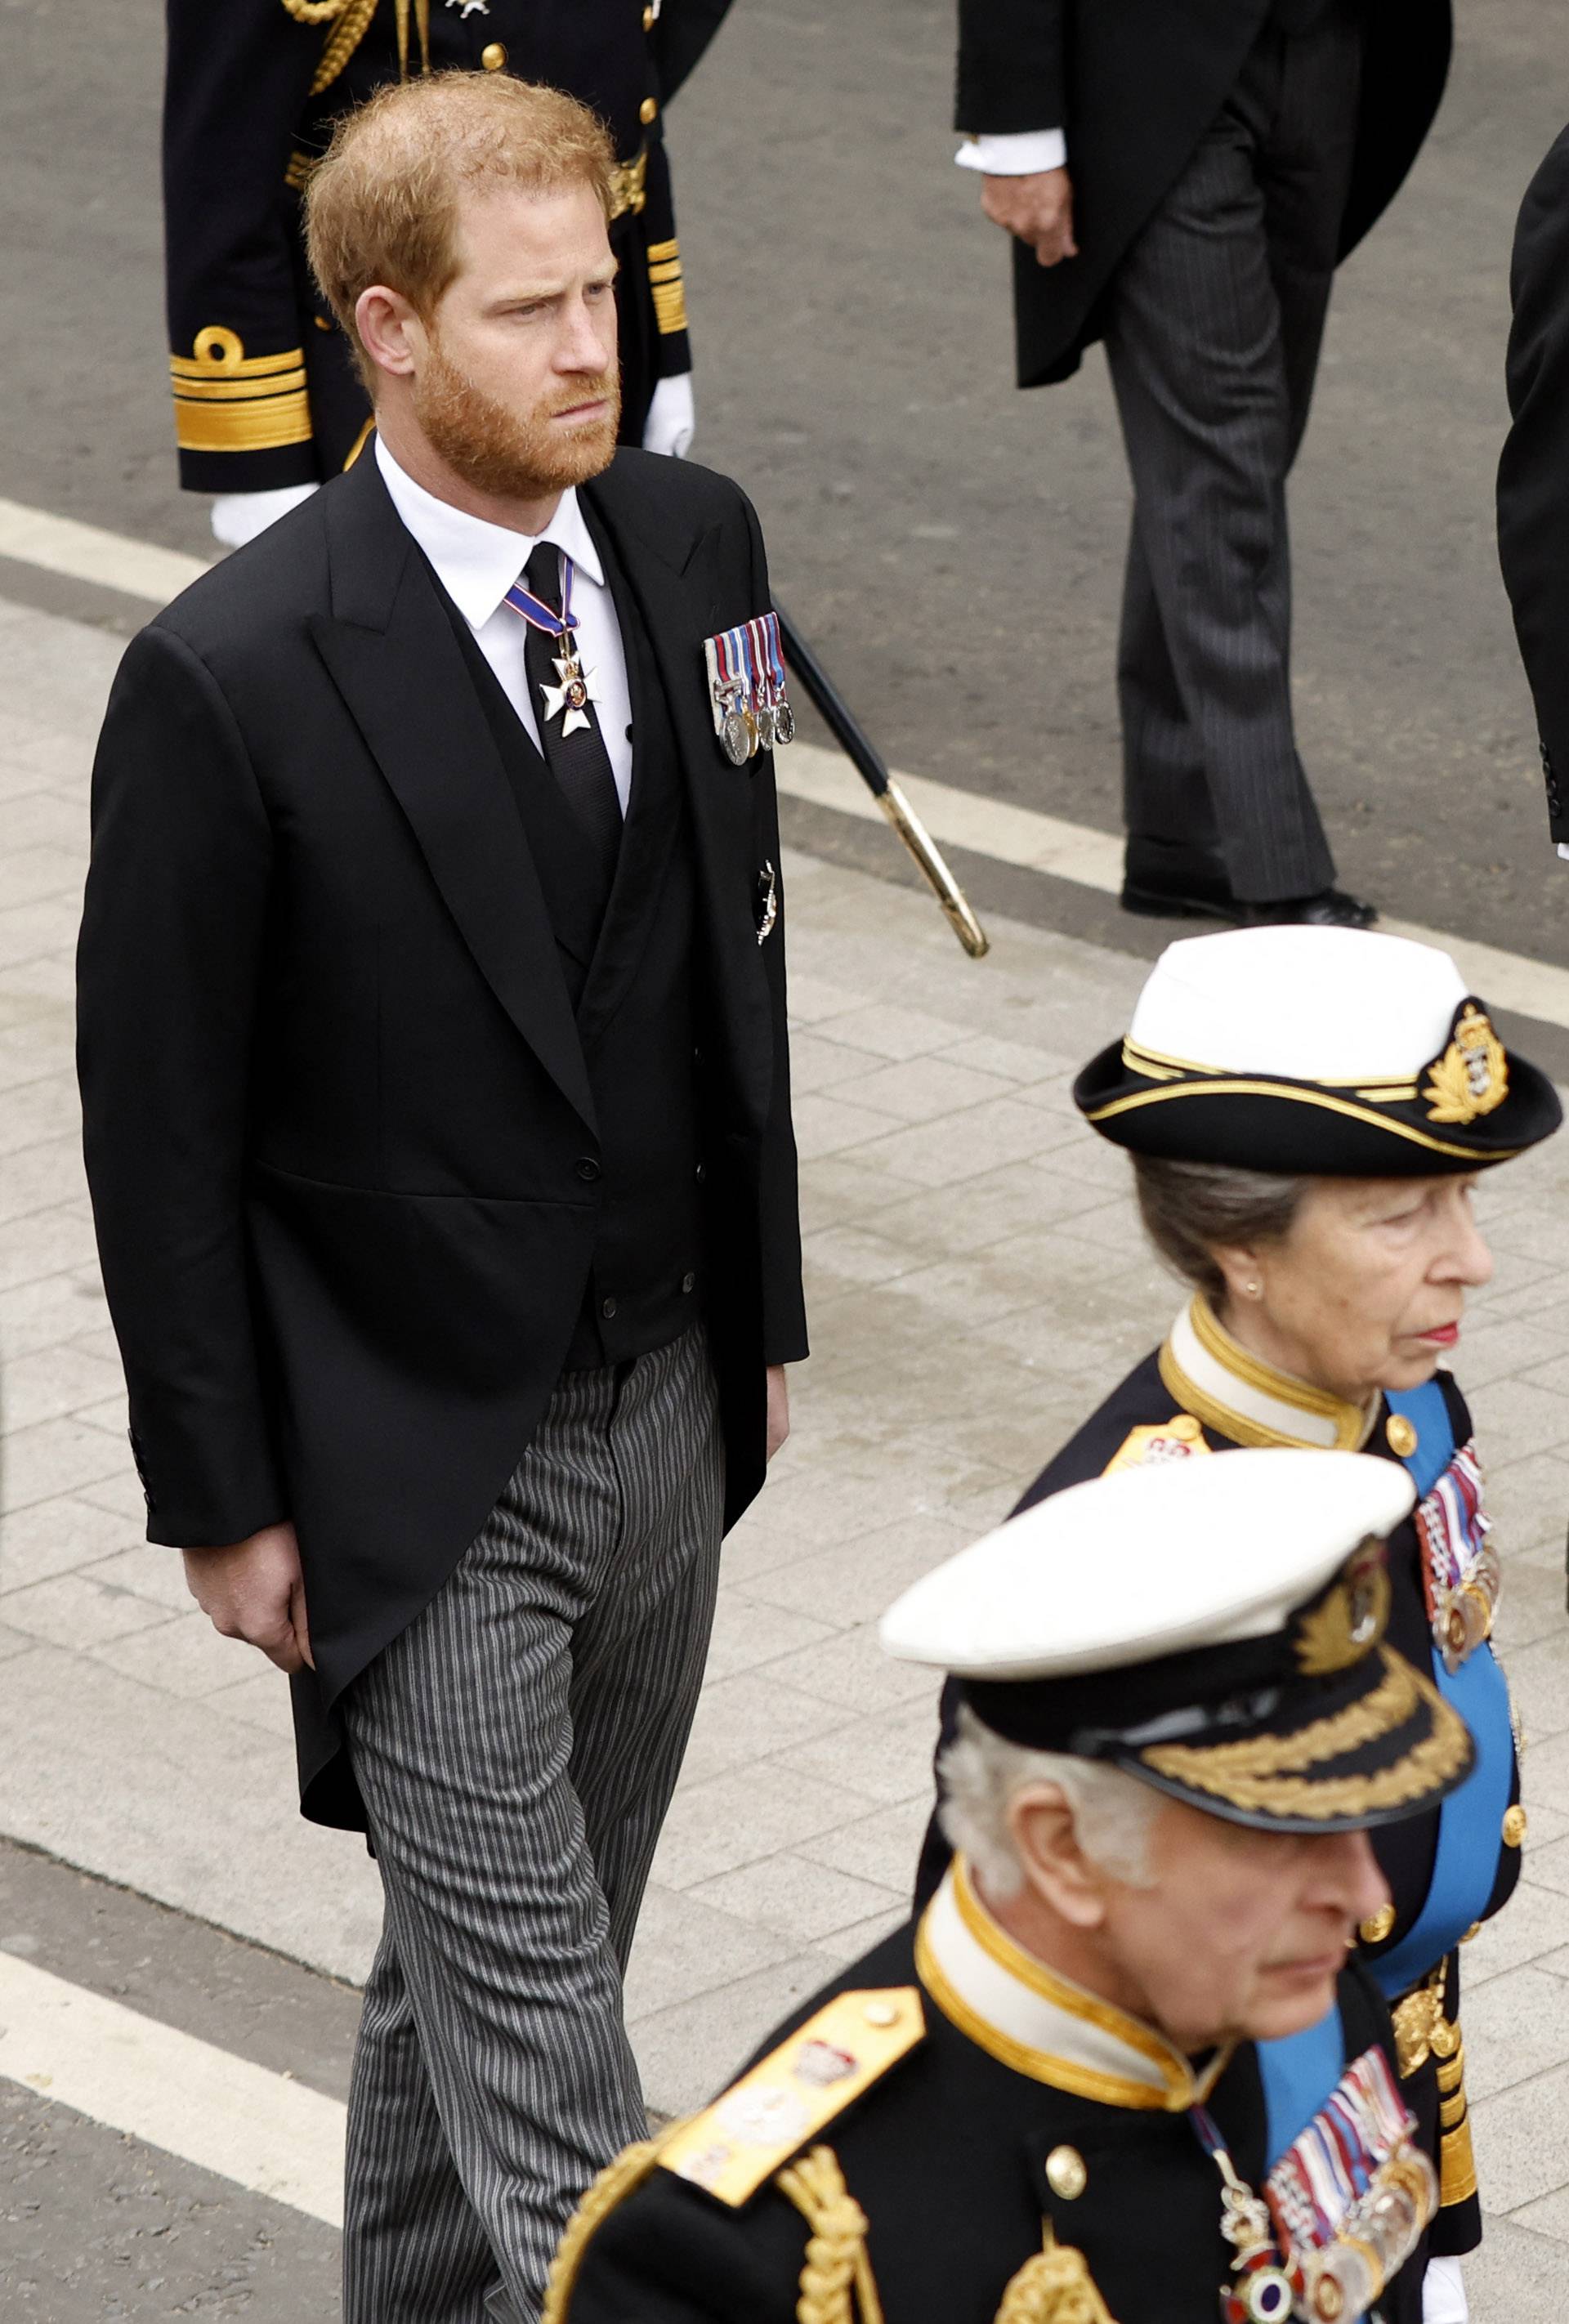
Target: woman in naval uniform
{"type": "Point", "coordinates": [1308, 1109]}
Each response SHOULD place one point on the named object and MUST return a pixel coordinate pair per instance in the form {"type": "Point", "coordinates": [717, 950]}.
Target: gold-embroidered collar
{"type": "Point", "coordinates": [1042, 2025]}
{"type": "Point", "coordinates": [1240, 1396]}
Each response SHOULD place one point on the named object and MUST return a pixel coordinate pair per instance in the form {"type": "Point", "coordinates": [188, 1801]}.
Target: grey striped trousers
{"type": "Point", "coordinates": [516, 1748]}
{"type": "Point", "coordinates": [1213, 323]}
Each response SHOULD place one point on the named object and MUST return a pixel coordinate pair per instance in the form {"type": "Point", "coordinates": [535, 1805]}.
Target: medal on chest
{"type": "Point", "coordinates": [570, 699]}
{"type": "Point", "coordinates": [1342, 2211]}
{"type": "Point", "coordinates": [1461, 1573]}
{"type": "Point", "coordinates": [746, 685]}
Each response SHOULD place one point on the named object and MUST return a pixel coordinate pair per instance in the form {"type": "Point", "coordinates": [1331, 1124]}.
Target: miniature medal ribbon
{"type": "Point", "coordinates": [1461, 1574]}
{"type": "Point", "coordinates": [746, 685]}
{"type": "Point", "coordinates": [1349, 2200]}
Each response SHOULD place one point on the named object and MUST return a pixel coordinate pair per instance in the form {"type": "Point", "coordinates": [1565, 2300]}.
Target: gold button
{"type": "Point", "coordinates": [1377, 1925]}
{"type": "Point", "coordinates": [1514, 1823]}
{"type": "Point", "coordinates": [651, 17]}
{"type": "Point", "coordinates": [1474, 1930]}
{"type": "Point", "coordinates": [880, 2013]}
{"type": "Point", "coordinates": [322, 324]}
{"type": "Point", "coordinates": [1065, 2174]}
{"type": "Point", "coordinates": [493, 56]}
{"type": "Point", "coordinates": [1400, 1434]}
{"type": "Point", "coordinates": [647, 110]}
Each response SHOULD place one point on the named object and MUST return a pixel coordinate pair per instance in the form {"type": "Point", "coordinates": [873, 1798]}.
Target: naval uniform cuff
{"type": "Point", "coordinates": [1017, 154]}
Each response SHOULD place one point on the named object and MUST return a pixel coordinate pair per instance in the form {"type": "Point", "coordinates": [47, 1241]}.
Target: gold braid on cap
{"type": "Point", "coordinates": [836, 2284]}
{"type": "Point", "coordinates": [1258, 1773]}
{"type": "Point", "coordinates": [1055, 2287]}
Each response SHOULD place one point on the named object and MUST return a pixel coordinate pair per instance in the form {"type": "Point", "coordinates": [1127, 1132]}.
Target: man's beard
{"type": "Point", "coordinates": [513, 455]}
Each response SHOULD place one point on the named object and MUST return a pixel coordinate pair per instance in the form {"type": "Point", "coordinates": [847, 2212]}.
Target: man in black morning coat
{"type": "Point", "coordinates": [437, 1104]}
{"type": "Point", "coordinates": [1532, 493]}
{"type": "Point", "coordinates": [1182, 177]}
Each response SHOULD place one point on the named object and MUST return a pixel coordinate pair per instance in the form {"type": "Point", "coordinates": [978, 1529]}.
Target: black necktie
{"type": "Point", "coordinates": [579, 761]}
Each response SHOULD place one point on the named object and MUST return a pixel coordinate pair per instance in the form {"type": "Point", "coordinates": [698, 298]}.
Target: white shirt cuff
{"type": "Point", "coordinates": [1564, 851]}
{"type": "Point", "coordinates": [1015, 156]}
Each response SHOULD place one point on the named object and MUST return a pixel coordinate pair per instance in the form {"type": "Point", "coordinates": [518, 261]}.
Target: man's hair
{"type": "Point", "coordinates": [383, 204]}
{"type": "Point", "coordinates": [981, 1774]}
{"type": "Point", "coordinates": [1191, 1208]}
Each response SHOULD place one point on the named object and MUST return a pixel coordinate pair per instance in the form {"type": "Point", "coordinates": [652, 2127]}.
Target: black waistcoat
{"type": "Point", "coordinates": [629, 968]}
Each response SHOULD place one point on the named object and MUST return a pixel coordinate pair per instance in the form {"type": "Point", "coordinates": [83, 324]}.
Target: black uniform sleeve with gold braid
{"type": "Point", "coordinates": [672, 348]}
{"type": "Point", "coordinates": [238, 79]}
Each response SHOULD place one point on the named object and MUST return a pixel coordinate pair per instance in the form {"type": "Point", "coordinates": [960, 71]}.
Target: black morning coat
{"type": "Point", "coordinates": [1533, 490]}
{"type": "Point", "coordinates": [1135, 84]}
{"type": "Point", "coordinates": [946, 2156]}
{"type": "Point", "coordinates": [252, 93]}
{"type": "Point", "coordinates": [1405, 1850]}
{"type": "Point", "coordinates": [338, 1124]}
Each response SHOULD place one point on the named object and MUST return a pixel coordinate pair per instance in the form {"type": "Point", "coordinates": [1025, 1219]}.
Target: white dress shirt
{"type": "Point", "coordinates": [477, 563]}
{"type": "Point", "coordinates": [1017, 154]}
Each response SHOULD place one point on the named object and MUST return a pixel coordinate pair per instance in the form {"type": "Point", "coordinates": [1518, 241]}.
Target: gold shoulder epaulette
{"type": "Point", "coordinates": [1176, 1439]}
{"type": "Point", "coordinates": [613, 2185]}
{"type": "Point", "coordinates": [788, 2098]}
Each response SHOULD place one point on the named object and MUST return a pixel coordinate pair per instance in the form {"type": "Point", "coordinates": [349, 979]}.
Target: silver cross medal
{"type": "Point", "coordinates": [569, 701]}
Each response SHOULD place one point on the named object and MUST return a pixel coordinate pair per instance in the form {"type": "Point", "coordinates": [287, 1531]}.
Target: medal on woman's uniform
{"type": "Point", "coordinates": [569, 700]}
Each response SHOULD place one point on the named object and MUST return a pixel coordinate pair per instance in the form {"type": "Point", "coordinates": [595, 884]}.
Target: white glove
{"type": "Point", "coordinates": [239, 517]}
{"type": "Point", "coordinates": [1444, 2294]}
{"type": "Point", "coordinates": [672, 421]}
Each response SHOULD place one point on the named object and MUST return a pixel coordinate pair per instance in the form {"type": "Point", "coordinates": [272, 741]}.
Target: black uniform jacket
{"type": "Point", "coordinates": [264, 391]}
{"type": "Point", "coordinates": [946, 2156]}
{"type": "Point", "coordinates": [339, 1125]}
{"type": "Point", "coordinates": [1533, 496]}
{"type": "Point", "coordinates": [1405, 1850]}
{"type": "Point", "coordinates": [1135, 86]}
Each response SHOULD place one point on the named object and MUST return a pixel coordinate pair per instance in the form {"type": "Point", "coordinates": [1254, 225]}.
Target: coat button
{"type": "Point", "coordinates": [493, 56]}
{"type": "Point", "coordinates": [647, 110]}
{"type": "Point", "coordinates": [1065, 2174]}
{"type": "Point", "coordinates": [1515, 1822]}
{"type": "Point", "coordinates": [688, 1282]}
{"type": "Point", "coordinates": [607, 1309]}
{"type": "Point", "coordinates": [1378, 1925]}
{"type": "Point", "coordinates": [588, 1170]}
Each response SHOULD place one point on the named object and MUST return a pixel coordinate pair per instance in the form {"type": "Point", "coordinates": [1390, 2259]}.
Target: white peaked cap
{"type": "Point", "coordinates": [1150, 1562]}
{"type": "Point", "coordinates": [1311, 1004]}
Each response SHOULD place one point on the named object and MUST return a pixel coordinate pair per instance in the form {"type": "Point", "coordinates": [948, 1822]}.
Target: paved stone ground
{"type": "Point", "coordinates": [976, 1283]}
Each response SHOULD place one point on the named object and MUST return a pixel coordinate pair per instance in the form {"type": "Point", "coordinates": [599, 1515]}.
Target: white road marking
{"type": "Point", "coordinates": [275, 2136]}
{"type": "Point", "coordinates": [954, 817]}
{"type": "Point", "coordinates": [84, 552]}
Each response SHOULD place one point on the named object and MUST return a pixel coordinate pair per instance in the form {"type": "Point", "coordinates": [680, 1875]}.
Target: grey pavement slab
{"type": "Point", "coordinates": [976, 1282]}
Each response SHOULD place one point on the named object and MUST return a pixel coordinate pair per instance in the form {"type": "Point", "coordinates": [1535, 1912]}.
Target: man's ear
{"type": "Point", "coordinates": [1053, 1864]}
{"type": "Point", "coordinates": [391, 332]}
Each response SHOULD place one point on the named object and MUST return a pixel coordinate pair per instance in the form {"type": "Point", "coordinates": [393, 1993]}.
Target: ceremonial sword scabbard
{"type": "Point", "coordinates": [927, 853]}
{"type": "Point", "coordinates": [852, 739]}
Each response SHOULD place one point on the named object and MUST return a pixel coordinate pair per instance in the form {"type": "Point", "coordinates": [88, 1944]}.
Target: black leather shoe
{"type": "Point", "coordinates": [1163, 880]}
{"type": "Point", "coordinates": [1331, 908]}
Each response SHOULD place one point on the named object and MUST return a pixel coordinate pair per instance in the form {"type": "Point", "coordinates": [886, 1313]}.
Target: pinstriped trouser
{"type": "Point", "coordinates": [516, 1748]}
{"type": "Point", "coordinates": [1213, 323]}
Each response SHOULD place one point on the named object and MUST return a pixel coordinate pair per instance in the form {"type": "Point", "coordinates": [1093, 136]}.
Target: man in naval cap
{"type": "Point", "coordinates": [1043, 2101]}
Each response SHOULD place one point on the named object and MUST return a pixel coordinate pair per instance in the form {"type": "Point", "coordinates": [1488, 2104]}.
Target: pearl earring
{"type": "Point", "coordinates": [1253, 1290]}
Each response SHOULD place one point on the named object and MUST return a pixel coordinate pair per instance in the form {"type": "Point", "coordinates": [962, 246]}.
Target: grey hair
{"type": "Point", "coordinates": [1188, 1208]}
{"type": "Point", "coordinates": [981, 1774]}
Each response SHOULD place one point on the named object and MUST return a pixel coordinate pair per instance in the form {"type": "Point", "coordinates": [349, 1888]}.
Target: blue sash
{"type": "Point", "coordinates": [1299, 2073]}
{"type": "Point", "coordinates": [1470, 1823]}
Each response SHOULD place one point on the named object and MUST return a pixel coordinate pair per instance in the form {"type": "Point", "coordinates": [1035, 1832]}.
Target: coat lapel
{"type": "Point", "coordinates": [675, 576]}
{"type": "Point", "coordinates": [392, 654]}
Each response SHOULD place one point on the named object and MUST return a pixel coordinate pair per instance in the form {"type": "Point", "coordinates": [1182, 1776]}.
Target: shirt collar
{"type": "Point", "coordinates": [1238, 1395]}
{"type": "Point", "coordinates": [1042, 2025]}
{"type": "Point", "coordinates": [477, 562]}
